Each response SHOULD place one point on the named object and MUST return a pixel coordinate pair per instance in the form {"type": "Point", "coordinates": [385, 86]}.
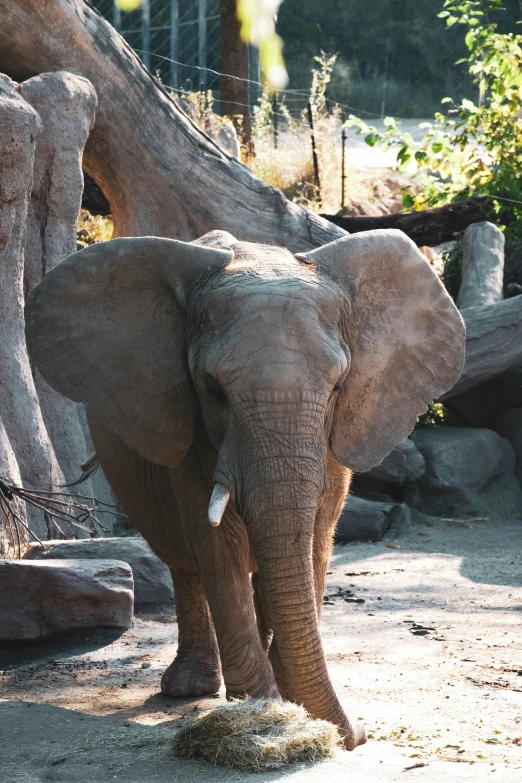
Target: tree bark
{"type": "Point", "coordinates": [493, 343]}
{"type": "Point", "coordinates": [430, 227]}
{"type": "Point", "coordinates": [161, 175]}
{"type": "Point", "coordinates": [235, 92]}
{"type": "Point", "coordinates": [482, 266]}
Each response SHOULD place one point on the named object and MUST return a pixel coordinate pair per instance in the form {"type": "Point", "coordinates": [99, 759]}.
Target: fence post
{"type": "Point", "coordinates": [314, 152]}
{"type": "Point", "coordinates": [145, 33]}
{"type": "Point", "coordinates": [343, 161]}
{"type": "Point", "coordinates": [174, 43]}
{"type": "Point", "coordinates": [202, 43]}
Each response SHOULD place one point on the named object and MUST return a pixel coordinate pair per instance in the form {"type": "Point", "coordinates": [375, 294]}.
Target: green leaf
{"type": "Point", "coordinates": [390, 122]}
{"type": "Point", "coordinates": [468, 105]}
{"type": "Point", "coordinates": [437, 147]}
{"type": "Point", "coordinates": [404, 155]}
{"type": "Point", "coordinates": [408, 201]}
{"type": "Point", "coordinates": [372, 139]}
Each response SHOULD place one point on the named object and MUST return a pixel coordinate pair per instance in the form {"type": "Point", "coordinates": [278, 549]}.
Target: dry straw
{"type": "Point", "coordinates": [256, 735]}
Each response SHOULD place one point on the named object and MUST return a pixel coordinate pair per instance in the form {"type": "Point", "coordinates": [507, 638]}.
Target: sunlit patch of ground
{"type": "Point", "coordinates": [431, 659]}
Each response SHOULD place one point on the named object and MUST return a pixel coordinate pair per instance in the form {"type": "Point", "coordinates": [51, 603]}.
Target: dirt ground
{"type": "Point", "coordinates": [423, 644]}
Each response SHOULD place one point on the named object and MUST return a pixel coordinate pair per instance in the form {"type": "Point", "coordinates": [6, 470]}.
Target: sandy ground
{"type": "Point", "coordinates": [423, 644]}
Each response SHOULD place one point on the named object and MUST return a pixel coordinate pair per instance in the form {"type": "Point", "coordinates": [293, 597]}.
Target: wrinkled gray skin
{"type": "Point", "coordinates": [271, 374]}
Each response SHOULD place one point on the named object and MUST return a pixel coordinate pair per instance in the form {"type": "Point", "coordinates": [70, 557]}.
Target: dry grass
{"type": "Point", "coordinates": [256, 735]}
{"type": "Point", "coordinates": [93, 228]}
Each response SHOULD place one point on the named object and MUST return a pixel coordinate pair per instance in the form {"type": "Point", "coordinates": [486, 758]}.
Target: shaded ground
{"type": "Point", "coordinates": [430, 658]}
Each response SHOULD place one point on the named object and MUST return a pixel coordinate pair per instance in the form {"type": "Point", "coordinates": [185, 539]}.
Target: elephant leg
{"type": "Point", "coordinates": [222, 554]}
{"type": "Point", "coordinates": [195, 670]}
{"type": "Point", "coordinates": [144, 492]}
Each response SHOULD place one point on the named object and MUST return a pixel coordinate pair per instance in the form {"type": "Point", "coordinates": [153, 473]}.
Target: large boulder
{"type": "Point", "coordinates": [39, 598]}
{"type": "Point", "coordinates": [509, 425]}
{"type": "Point", "coordinates": [152, 579]}
{"type": "Point", "coordinates": [469, 473]}
{"type": "Point", "coordinates": [370, 520]}
{"type": "Point", "coordinates": [403, 465]}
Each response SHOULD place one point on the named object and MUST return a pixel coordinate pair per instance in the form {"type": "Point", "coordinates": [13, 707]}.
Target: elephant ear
{"type": "Point", "coordinates": [106, 328]}
{"type": "Point", "coordinates": [405, 335]}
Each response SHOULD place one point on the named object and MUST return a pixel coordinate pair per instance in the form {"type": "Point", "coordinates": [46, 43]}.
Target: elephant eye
{"type": "Point", "coordinates": [215, 389]}
{"type": "Point", "coordinates": [338, 386]}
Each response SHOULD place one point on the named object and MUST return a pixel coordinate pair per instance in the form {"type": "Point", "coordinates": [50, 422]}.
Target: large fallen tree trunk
{"type": "Point", "coordinates": [493, 343]}
{"type": "Point", "coordinates": [430, 227]}
{"type": "Point", "coordinates": [160, 173]}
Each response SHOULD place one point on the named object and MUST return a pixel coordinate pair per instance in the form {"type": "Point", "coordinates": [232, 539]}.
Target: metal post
{"type": "Point", "coordinates": [314, 152]}
{"type": "Point", "coordinates": [202, 41]}
{"type": "Point", "coordinates": [116, 17]}
{"type": "Point", "coordinates": [255, 74]}
{"type": "Point", "coordinates": [343, 161]}
{"type": "Point", "coordinates": [145, 33]}
{"type": "Point", "coordinates": [174, 43]}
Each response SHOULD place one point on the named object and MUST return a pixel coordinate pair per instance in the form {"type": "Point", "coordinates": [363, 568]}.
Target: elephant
{"type": "Point", "coordinates": [231, 389]}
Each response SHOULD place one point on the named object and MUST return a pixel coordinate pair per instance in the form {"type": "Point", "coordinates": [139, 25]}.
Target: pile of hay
{"type": "Point", "coordinates": [256, 735]}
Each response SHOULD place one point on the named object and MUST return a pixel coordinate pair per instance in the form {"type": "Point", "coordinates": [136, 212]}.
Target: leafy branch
{"type": "Point", "coordinates": [474, 148]}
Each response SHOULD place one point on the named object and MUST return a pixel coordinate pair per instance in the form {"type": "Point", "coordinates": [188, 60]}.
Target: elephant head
{"type": "Point", "coordinates": [291, 360]}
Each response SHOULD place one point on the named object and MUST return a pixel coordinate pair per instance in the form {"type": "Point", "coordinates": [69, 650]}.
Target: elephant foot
{"type": "Point", "coordinates": [264, 687]}
{"type": "Point", "coordinates": [353, 735]}
{"type": "Point", "coordinates": [191, 675]}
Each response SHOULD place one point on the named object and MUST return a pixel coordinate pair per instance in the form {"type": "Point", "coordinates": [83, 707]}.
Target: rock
{"type": "Point", "coordinates": [469, 473]}
{"type": "Point", "coordinates": [19, 407]}
{"type": "Point", "coordinates": [369, 520]}
{"type": "Point", "coordinates": [403, 465]}
{"type": "Point", "coordinates": [482, 266]}
{"type": "Point", "coordinates": [152, 579]}
{"type": "Point", "coordinates": [13, 532]}
{"type": "Point", "coordinates": [37, 599]}
{"type": "Point", "coordinates": [509, 426]}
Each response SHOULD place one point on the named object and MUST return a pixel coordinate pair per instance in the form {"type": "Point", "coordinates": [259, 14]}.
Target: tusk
{"type": "Point", "coordinates": [218, 504]}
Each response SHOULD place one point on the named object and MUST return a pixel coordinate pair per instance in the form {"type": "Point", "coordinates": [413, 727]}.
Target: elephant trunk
{"type": "Point", "coordinates": [281, 481]}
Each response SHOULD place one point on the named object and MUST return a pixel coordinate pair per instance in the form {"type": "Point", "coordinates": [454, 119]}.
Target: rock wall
{"type": "Point", "coordinates": [44, 125]}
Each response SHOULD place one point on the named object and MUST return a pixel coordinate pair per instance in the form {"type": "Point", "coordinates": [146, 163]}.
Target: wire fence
{"type": "Point", "coordinates": [178, 40]}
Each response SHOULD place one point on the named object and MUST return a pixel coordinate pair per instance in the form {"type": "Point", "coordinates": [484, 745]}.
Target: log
{"type": "Point", "coordinates": [364, 520]}
{"type": "Point", "coordinates": [161, 174]}
{"type": "Point", "coordinates": [493, 343]}
{"type": "Point", "coordinates": [482, 266]}
{"type": "Point", "coordinates": [430, 227]}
